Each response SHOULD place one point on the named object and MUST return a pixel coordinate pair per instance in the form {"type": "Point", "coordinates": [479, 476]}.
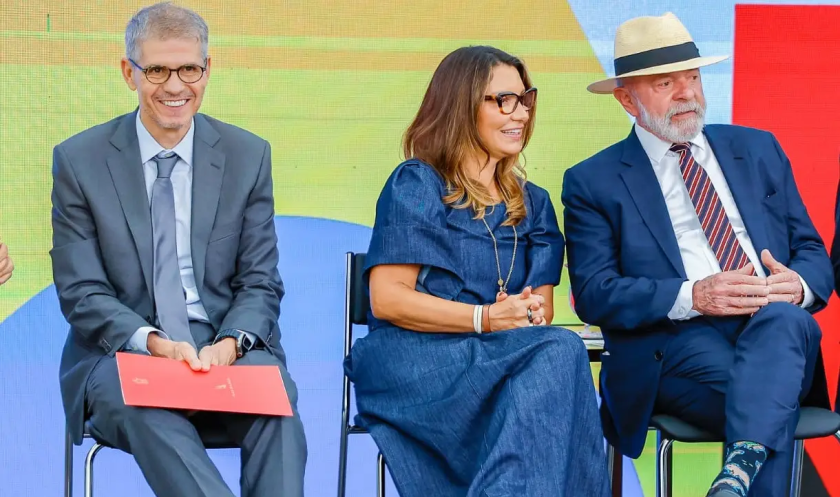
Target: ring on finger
{"type": "Point", "coordinates": [530, 316]}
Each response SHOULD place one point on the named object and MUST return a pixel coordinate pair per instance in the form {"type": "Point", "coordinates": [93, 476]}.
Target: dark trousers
{"type": "Point", "coordinates": [743, 378]}
{"type": "Point", "coordinates": [167, 447]}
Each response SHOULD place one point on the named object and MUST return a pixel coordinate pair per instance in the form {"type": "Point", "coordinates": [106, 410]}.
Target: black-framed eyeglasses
{"type": "Point", "coordinates": [188, 73]}
{"type": "Point", "coordinates": [509, 101]}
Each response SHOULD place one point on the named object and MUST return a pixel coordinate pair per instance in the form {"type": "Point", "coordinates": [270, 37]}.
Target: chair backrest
{"type": "Point", "coordinates": [358, 296]}
{"type": "Point", "coordinates": [356, 301]}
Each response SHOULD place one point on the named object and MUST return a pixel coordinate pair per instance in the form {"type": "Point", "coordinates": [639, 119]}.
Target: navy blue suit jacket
{"type": "Point", "coordinates": [625, 265]}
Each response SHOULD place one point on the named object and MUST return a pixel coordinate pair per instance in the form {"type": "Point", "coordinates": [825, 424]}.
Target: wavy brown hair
{"type": "Point", "coordinates": [444, 133]}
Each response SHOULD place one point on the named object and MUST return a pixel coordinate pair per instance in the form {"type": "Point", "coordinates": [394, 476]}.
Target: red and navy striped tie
{"type": "Point", "coordinates": [710, 211]}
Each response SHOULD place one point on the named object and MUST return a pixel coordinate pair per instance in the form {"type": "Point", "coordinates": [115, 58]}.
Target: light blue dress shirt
{"type": "Point", "coordinates": [181, 178]}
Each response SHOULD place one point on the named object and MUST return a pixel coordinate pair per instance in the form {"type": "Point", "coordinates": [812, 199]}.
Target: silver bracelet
{"type": "Point", "coordinates": [477, 312]}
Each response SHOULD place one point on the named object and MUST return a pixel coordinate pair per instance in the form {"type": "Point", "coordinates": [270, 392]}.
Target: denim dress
{"type": "Point", "coordinates": [509, 413]}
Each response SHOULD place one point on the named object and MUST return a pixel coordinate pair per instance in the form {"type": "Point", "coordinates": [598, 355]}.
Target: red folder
{"type": "Point", "coordinates": [158, 382]}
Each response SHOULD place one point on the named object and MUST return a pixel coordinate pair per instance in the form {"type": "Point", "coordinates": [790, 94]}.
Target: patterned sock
{"type": "Point", "coordinates": [743, 461]}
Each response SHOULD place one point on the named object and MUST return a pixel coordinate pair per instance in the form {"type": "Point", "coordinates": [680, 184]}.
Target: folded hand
{"type": "Point", "coordinates": [511, 311]}
{"type": "Point", "coordinates": [785, 284]}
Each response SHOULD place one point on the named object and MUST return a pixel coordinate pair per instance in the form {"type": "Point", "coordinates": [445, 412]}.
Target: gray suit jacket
{"type": "Point", "coordinates": [102, 243]}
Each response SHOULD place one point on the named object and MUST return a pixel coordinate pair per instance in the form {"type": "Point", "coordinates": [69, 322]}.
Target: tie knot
{"type": "Point", "coordinates": [681, 148]}
{"type": "Point", "coordinates": [165, 163]}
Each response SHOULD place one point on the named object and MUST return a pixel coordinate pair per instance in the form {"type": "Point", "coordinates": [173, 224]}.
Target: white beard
{"type": "Point", "coordinates": [679, 132]}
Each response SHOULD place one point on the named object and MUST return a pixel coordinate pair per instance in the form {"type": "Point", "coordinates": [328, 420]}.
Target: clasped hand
{"type": "Point", "coordinates": [740, 292]}
{"type": "Point", "coordinates": [511, 311]}
{"type": "Point", "coordinates": [222, 353]}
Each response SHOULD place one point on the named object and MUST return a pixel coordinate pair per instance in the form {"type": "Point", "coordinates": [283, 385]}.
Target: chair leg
{"type": "Point", "coordinates": [798, 460]}
{"type": "Point", "coordinates": [89, 469]}
{"type": "Point", "coordinates": [68, 464]}
{"type": "Point", "coordinates": [663, 466]}
{"type": "Point", "coordinates": [380, 476]}
{"type": "Point", "coordinates": [614, 467]}
{"type": "Point", "coordinates": [342, 461]}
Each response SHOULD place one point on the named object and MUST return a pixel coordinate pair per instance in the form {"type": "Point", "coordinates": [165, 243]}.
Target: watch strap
{"type": "Point", "coordinates": [243, 343]}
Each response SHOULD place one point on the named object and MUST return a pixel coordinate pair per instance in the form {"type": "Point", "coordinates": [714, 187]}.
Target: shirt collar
{"type": "Point", "coordinates": [656, 147]}
{"type": "Point", "coordinates": [149, 147]}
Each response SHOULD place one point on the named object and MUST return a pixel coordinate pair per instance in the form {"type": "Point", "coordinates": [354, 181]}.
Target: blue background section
{"type": "Point", "coordinates": [312, 265]}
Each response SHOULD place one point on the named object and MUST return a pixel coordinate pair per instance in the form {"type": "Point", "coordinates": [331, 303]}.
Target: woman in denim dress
{"type": "Point", "coordinates": [463, 388]}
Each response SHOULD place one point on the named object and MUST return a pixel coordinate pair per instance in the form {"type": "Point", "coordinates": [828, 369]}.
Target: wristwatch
{"type": "Point", "coordinates": [243, 343]}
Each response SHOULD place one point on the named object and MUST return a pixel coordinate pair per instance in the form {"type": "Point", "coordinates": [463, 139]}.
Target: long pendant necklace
{"type": "Point", "coordinates": [502, 283]}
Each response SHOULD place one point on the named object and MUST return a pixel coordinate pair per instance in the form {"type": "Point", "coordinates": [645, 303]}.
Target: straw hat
{"type": "Point", "coordinates": [653, 45]}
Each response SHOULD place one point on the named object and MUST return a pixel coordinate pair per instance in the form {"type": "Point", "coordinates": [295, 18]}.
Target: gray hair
{"type": "Point", "coordinates": [164, 21]}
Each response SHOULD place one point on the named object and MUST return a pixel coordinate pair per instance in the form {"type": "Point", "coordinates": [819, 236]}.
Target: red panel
{"type": "Point", "coordinates": [786, 80]}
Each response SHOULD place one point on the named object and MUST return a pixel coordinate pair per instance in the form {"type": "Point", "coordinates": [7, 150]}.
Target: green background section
{"type": "Point", "coordinates": [335, 137]}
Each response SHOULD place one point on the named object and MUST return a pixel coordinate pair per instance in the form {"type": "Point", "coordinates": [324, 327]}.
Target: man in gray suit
{"type": "Point", "coordinates": [164, 243]}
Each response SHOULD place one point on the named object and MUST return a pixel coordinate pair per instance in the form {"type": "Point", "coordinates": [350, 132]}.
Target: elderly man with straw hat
{"type": "Point", "coordinates": [689, 245]}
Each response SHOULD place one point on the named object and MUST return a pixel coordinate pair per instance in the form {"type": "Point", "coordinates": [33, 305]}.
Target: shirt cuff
{"type": "Point", "coordinates": [807, 295]}
{"type": "Point", "coordinates": [682, 308]}
{"type": "Point", "coordinates": [252, 339]}
{"type": "Point", "coordinates": [137, 342]}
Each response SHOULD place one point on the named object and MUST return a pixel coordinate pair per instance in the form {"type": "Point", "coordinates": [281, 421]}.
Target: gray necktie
{"type": "Point", "coordinates": [170, 301]}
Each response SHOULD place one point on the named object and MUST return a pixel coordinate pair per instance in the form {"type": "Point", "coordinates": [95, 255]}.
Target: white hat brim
{"type": "Point", "coordinates": [606, 86]}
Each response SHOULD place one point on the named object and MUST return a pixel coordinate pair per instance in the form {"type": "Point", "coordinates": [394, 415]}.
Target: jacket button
{"type": "Point", "coordinates": [657, 355]}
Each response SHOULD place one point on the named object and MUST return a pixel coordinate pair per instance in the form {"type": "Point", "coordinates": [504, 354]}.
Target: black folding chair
{"type": "Point", "coordinates": [213, 438]}
{"type": "Point", "coordinates": [356, 306]}
{"type": "Point", "coordinates": [814, 422]}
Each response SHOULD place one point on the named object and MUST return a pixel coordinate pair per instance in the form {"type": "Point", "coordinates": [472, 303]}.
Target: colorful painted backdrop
{"type": "Point", "coordinates": [332, 86]}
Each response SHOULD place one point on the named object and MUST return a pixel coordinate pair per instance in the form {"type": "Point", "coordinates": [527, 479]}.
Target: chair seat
{"type": "Point", "coordinates": [212, 438]}
{"type": "Point", "coordinates": [814, 422]}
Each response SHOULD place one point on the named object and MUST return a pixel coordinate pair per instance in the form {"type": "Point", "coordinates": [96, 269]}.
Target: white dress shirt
{"type": "Point", "coordinates": [697, 256]}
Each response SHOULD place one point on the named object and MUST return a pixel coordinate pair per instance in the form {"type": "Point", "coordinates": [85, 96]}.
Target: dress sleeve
{"type": "Point", "coordinates": [546, 246]}
{"type": "Point", "coordinates": [411, 225]}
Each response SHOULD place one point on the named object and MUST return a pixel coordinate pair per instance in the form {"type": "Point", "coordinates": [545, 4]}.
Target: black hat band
{"type": "Point", "coordinates": [656, 57]}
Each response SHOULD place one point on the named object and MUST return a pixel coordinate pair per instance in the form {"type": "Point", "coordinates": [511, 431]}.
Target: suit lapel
{"type": "Point", "coordinates": [741, 178]}
{"type": "Point", "coordinates": [643, 186]}
{"type": "Point", "coordinates": [208, 170]}
{"type": "Point", "coordinates": [127, 174]}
